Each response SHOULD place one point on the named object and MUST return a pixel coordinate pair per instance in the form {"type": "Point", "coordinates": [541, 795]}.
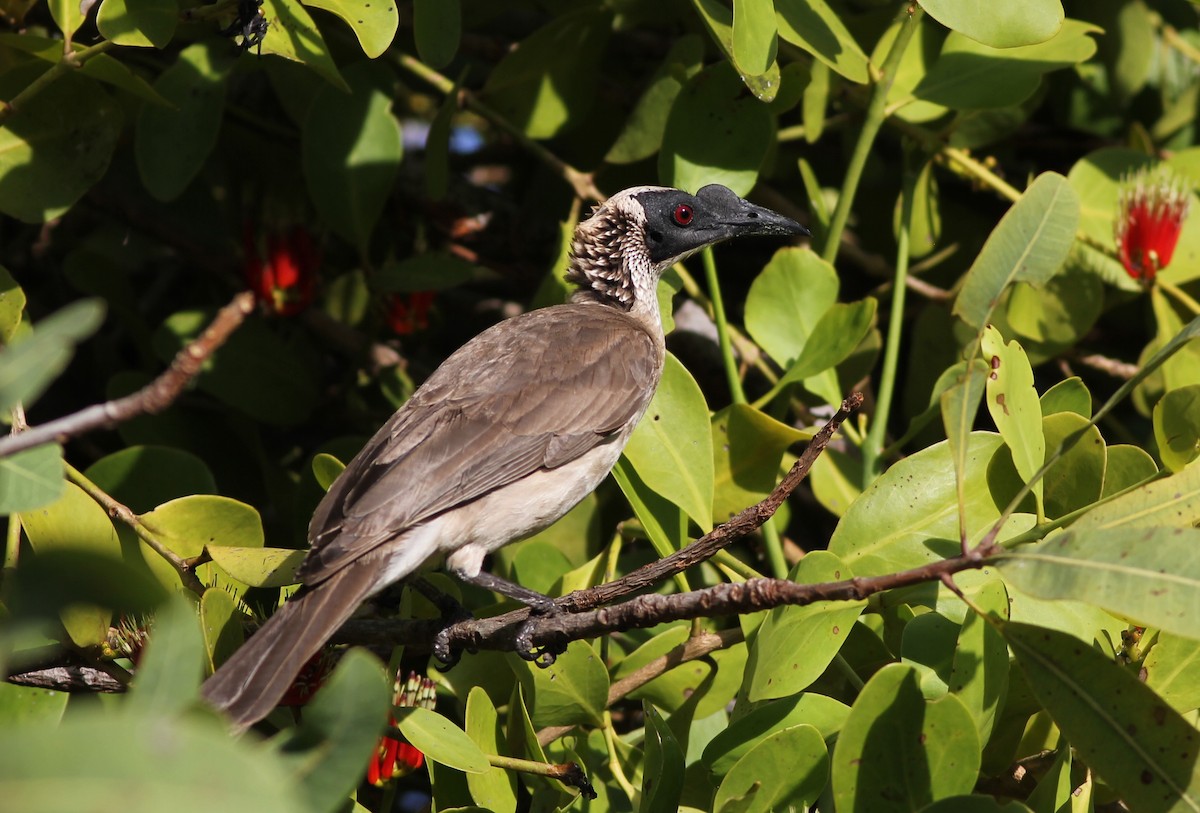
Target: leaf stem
{"type": "Point", "coordinates": [875, 116]}
{"type": "Point", "coordinates": [70, 61]}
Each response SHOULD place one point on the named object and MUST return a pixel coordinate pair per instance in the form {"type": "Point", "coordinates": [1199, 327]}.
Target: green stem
{"type": "Point", "coordinates": [877, 434]}
{"type": "Point", "coordinates": [735, 565]}
{"type": "Point", "coordinates": [718, 305]}
{"type": "Point", "coordinates": [71, 60]}
{"type": "Point", "coordinates": [12, 541]}
{"type": "Point", "coordinates": [774, 545]}
{"type": "Point", "coordinates": [1180, 295]}
{"type": "Point", "coordinates": [848, 672]}
{"type": "Point", "coordinates": [875, 116]}
{"type": "Point", "coordinates": [749, 350]}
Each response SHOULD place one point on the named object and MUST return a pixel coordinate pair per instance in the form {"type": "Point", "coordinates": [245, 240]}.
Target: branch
{"type": "Point", "coordinates": [153, 398]}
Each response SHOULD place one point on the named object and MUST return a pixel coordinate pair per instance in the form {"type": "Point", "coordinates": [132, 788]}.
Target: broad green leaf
{"type": "Point", "coordinates": [31, 364]}
{"type": "Point", "coordinates": [138, 22]}
{"type": "Point", "coordinates": [75, 522]}
{"type": "Point", "coordinates": [1013, 404]}
{"type": "Point", "coordinates": [717, 678]}
{"type": "Point", "coordinates": [142, 477]}
{"type": "Point", "coordinates": [12, 305]}
{"type": "Point", "coordinates": [293, 35]}
{"type": "Point", "coordinates": [437, 27]}
{"type": "Point", "coordinates": [1022, 22]}
{"type": "Point", "coordinates": [1149, 575]}
{"type": "Point", "coordinates": [642, 134]}
{"type": "Point", "coordinates": [375, 24]}
{"type": "Point", "coordinates": [572, 690]}
{"type": "Point", "coordinates": [441, 740]}
{"type": "Point", "coordinates": [326, 468]}
{"type": "Point", "coordinates": [787, 300]}
{"type": "Point", "coordinates": [1135, 742]}
{"type": "Point", "coordinates": [718, 19]}
{"type": "Point", "coordinates": [339, 731]}
{"type": "Point", "coordinates": [1096, 180]}
{"type": "Point", "coordinates": [1068, 395]}
{"type": "Point", "coordinates": [1177, 427]}
{"type": "Point", "coordinates": [959, 404]}
{"type": "Point", "coordinates": [671, 448]}
{"type": "Point", "coordinates": [256, 371]}
{"type": "Point", "coordinates": [433, 271]}
{"type": "Point", "coordinates": [169, 672]}
{"type": "Point", "coordinates": [969, 74]}
{"type": "Point", "coordinates": [548, 82]}
{"type": "Point", "coordinates": [835, 336]}
{"type": "Point", "coordinates": [31, 705]}
{"type": "Point", "coordinates": [974, 804]}
{"type": "Point", "coordinates": [1056, 316]}
{"type": "Point", "coordinates": [172, 144]}
{"type": "Point", "coordinates": [1029, 245]}
{"type": "Point", "coordinates": [836, 479]}
{"type": "Point", "coordinates": [1148, 365]}
{"type": "Point", "coordinates": [68, 16]}
{"type": "Point", "coordinates": [817, 28]}
{"type": "Point", "coordinates": [109, 70]}
{"type": "Point", "coordinates": [662, 779]}
{"type": "Point", "coordinates": [350, 170]}
{"type": "Point", "coordinates": [916, 61]}
{"type": "Point", "coordinates": [794, 645]}
{"type": "Point", "coordinates": [927, 643]}
{"type": "Point", "coordinates": [909, 516]}
{"type": "Point", "coordinates": [1182, 369]}
{"type": "Point", "coordinates": [939, 756]}
{"type": "Point", "coordinates": [980, 674]}
{"type": "Point", "coordinates": [754, 30]}
{"type": "Point", "coordinates": [715, 101]}
{"type": "Point", "coordinates": [824, 713]}
{"type": "Point", "coordinates": [221, 624]}
{"type": "Point", "coordinates": [815, 100]}
{"type": "Point", "coordinates": [1173, 671]}
{"type": "Point", "coordinates": [258, 566]}
{"type": "Point", "coordinates": [790, 768]}
{"type": "Point", "coordinates": [1075, 479]}
{"type": "Point", "coordinates": [748, 447]}
{"type": "Point", "coordinates": [1053, 791]}
{"type": "Point", "coordinates": [664, 523]}
{"type": "Point", "coordinates": [495, 787]}
{"type": "Point", "coordinates": [189, 524]}
{"type": "Point", "coordinates": [1128, 466]}
{"type": "Point", "coordinates": [1171, 502]}
{"type": "Point", "coordinates": [31, 479]}
{"type": "Point", "coordinates": [57, 146]}
{"type": "Point", "coordinates": [171, 761]}
{"type": "Point", "coordinates": [925, 223]}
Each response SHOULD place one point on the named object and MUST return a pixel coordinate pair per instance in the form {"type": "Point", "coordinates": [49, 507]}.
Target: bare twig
{"type": "Point", "coordinates": [153, 398]}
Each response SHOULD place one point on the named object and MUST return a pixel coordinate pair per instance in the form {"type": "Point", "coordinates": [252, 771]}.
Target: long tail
{"type": "Point", "coordinates": [254, 680]}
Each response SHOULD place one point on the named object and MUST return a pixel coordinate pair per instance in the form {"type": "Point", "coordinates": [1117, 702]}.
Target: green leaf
{"type": "Point", "coordinates": [1124, 732]}
{"type": "Point", "coordinates": [974, 804]}
{"type": "Point", "coordinates": [1013, 404]}
{"type": "Point", "coordinates": [221, 624]}
{"type": "Point", "coordinates": [1177, 427]}
{"type": "Point", "coordinates": [959, 404]}
{"type": "Point", "coordinates": [12, 305]}
{"type": "Point", "coordinates": [68, 16]}
{"type": "Point", "coordinates": [1075, 479]}
{"type": "Point", "coordinates": [105, 68]}
{"type": "Point", "coordinates": [142, 477]}
{"type": "Point", "coordinates": [664, 523]}
{"type": "Point", "coordinates": [1150, 575]}
{"type": "Point", "coordinates": [293, 35]}
{"type": "Point", "coordinates": [548, 83]}
{"type": "Point", "coordinates": [939, 756]}
{"type": "Point", "coordinates": [1029, 244]}
{"type": "Point", "coordinates": [817, 28]}
{"type": "Point", "coordinates": [718, 19]}
{"type": "Point", "coordinates": [31, 479]}
{"type": "Point", "coordinates": [671, 448]}
{"type": "Point", "coordinates": [790, 768]}
{"type": "Point", "coordinates": [754, 30]}
{"type": "Point", "coordinates": [1022, 22]}
{"type": "Point", "coordinates": [980, 673]}
{"type": "Point", "coordinates": [350, 170]}
{"type": "Point", "coordinates": [433, 271]}
{"type": "Point", "coordinates": [787, 300]}
{"type": "Point", "coordinates": [574, 690]}
{"type": "Point", "coordinates": [1068, 395]}
{"type": "Point", "coordinates": [57, 146]}
{"type": "Point", "coordinates": [326, 468]}
{"type": "Point", "coordinates": [715, 101]}
{"type": "Point", "coordinates": [30, 365]}
{"type": "Point", "coordinates": [437, 26]}
{"type": "Point", "coordinates": [707, 685]}
{"type": "Point", "coordinates": [835, 336]}
{"type": "Point", "coordinates": [1128, 466]}
{"type": "Point", "coordinates": [171, 761]}
{"type": "Point", "coordinates": [794, 645]}
{"type": "Point", "coordinates": [173, 144]}
{"type": "Point", "coordinates": [824, 713]}
{"type": "Point", "coordinates": [1173, 671]}
{"type": "Point", "coordinates": [259, 566]}
{"type": "Point", "coordinates": [375, 24]}
{"type": "Point", "coordinates": [1171, 502]}
{"type": "Point", "coordinates": [26, 705]}
{"type": "Point", "coordinates": [75, 522]}
{"type": "Point", "coordinates": [339, 731]}
{"type": "Point", "coordinates": [642, 134]}
{"type": "Point", "coordinates": [169, 672]}
{"type": "Point", "coordinates": [441, 740]}
{"type": "Point", "coordinates": [969, 74]}
{"type": "Point", "coordinates": [495, 787]}
{"type": "Point", "coordinates": [748, 447]}
{"type": "Point", "coordinates": [138, 22]}
{"type": "Point", "coordinates": [662, 778]}
{"type": "Point", "coordinates": [190, 524]}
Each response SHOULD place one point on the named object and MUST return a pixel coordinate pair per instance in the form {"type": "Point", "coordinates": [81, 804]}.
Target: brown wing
{"type": "Point", "coordinates": [531, 393]}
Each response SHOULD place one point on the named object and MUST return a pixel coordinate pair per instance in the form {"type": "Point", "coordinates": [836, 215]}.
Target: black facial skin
{"type": "Point", "coordinates": [716, 214]}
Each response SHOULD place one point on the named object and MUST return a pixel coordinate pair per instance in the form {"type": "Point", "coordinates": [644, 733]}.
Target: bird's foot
{"type": "Point", "coordinates": [545, 655]}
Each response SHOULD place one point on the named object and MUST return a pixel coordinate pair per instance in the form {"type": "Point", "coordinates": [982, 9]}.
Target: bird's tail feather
{"type": "Point", "coordinates": [255, 678]}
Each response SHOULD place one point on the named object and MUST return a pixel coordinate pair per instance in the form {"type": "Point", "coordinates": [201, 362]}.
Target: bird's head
{"type": "Point", "coordinates": [620, 252]}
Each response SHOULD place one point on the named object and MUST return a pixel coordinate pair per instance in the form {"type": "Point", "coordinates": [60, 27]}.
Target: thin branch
{"type": "Point", "coordinates": [153, 398]}
{"type": "Point", "coordinates": [71, 60]}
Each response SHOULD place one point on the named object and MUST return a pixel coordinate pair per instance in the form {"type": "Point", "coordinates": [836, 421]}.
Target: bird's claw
{"type": "Point", "coordinates": [447, 657]}
{"type": "Point", "coordinates": [545, 655]}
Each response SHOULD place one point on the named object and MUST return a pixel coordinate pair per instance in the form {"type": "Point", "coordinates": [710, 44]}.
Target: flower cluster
{"type": "Point", "coordinates": [394, 758]}
{"type": "Point", "coordinates": [1153, 206]}
{"type": "Point", "coordinates": [286, 278]}
{"type": "Point", "coordinates": [408, 314]}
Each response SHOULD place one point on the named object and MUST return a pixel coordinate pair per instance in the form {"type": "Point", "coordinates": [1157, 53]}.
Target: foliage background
{"type": "Point", "coordinates": [959, 165]}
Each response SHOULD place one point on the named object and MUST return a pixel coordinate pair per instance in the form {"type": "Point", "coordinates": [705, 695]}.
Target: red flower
{"type": "Point", "coordinates": [311, 678]}
{"type": "Point", "coordinates": [287, 279]}
{"type": "Point", "coordinates": [393, 758]}
{"type": "Point", "coordinates": [1152, 211]}
{"type": "Point", "coordinates": [408, 314]}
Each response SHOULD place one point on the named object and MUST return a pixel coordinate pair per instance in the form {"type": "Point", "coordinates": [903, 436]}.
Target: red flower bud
{"type": "Point", "coordinates": [311, 678]}
{"type": "Point", "coordinates": [409, 313]}
{"type": "Point", "coordinates": [394, 758]}
{"type": "Point", "coordinates": [286, 280]}
{"type": "Point", "coordinates": [1152, 210]}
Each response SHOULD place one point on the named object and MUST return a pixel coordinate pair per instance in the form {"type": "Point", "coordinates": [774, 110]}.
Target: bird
{"type": "Point", "coordinates": [508, 434]}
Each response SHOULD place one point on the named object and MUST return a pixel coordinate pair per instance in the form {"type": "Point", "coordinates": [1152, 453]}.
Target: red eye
{"type": "Point", "coordinates": [683, 214]}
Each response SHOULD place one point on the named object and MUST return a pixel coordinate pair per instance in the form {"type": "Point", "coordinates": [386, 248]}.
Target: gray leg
{"type": "Point", "coordinates": [538, 604]}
